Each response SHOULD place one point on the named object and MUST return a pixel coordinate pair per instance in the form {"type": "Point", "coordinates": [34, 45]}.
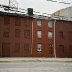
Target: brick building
{"type": "Point", "coordinates": [15, 35]}
{"type": "Point", "coordinates": [42, 45]}
{"type": "Point", "coordinates": [52, 38]}
{"type": "Point", "coordinates": [63, 38]}
{"type": "Point", "coordinates": [24, 36]}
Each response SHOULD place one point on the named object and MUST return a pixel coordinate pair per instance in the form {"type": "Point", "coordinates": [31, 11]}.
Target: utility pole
{"type": "Point", "coordinates": [9, 3]}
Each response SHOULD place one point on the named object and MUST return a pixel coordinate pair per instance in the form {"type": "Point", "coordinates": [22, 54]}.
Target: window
{"type": "Point", "coordinates": [50, 46]}
{"type": "Point", "coordinates": [39, 23]}
{"type": "Point", "coordinates": [27, 23]}
{"type": "Point", "coordinates": [6, 32]}
{"type": "Point", "coordinates": [27, 34]}
{"type": "Point", "coordinates": [70, 35]}
{"type": "Point", "coordinates": [26, 47]}
{"type": "Point", "coordinates": [61, 35]}
{"type": "Point", "coordinates": [39, 47]}
{"type": "Point", "coordinates": [61, 48]}
{"type": "Point", "coordinates": [5, 49]}
{"type": "Point", "coordinates": [70, 48]}
{"type": "Point", "coordinates": [17, 21]}
{"type": "Point", "coordinates": [50, 24]}
{"type": "Point", "coordinates": [39, 34]}
{"type": "Point", "coordinates": [17, 32]}
{"type": "Point", "coordinates": [17, 47]}
{"type": "Point", "coordinates": [5, 45]}
{"type": "Point", "coordinates": [6, 20]}
{"type": "Point", "coordinates": [50, 35]}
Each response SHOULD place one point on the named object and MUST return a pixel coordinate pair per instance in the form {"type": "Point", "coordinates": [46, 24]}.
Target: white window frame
{"type": "Point", "coordinates": [50, 25]}
{"type": "Point", "coordinates": [50, 35]}
{"type": "Point", "coordinates": [39, 47]}
{"type": "Point", "coordinates": [39, 34]}
{"type": "Point", "coordinates": [39, 23]}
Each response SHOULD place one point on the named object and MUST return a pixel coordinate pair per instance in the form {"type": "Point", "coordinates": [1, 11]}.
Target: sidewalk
{"type": "Point", "coordinates": [35, 59]}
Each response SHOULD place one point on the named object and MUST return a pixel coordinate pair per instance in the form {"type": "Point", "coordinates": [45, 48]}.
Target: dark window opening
{"type": "Point", "coordinates": [61, 35]}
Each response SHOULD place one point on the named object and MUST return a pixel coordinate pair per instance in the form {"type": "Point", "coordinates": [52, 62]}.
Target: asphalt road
{"type": "Point", "coordinates": [36, 67]}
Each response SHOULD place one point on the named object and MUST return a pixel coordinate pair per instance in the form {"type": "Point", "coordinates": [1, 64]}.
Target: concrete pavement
{"type": "Point", "coordinates": [35, 64]}
{"type": "Point", "coordinates": [25, 59]}
{"type": "Point", "coordinates": [36, 67]}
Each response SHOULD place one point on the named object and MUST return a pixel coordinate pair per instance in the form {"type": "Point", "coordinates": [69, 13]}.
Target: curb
{"type": "Point", "coordinates": [10, 60]}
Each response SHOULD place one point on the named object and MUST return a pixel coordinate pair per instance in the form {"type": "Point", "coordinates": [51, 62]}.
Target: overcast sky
{"type": "Point", "coordinates": [42, 6]}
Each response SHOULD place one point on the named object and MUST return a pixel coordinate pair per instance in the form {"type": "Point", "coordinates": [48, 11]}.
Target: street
{"type": "Point", "coordinates": [36, 67]}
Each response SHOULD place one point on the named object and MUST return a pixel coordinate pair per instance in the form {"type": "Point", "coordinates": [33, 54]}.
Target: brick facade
{"type": "Point", "coordinates": [63, 38]}
{"type": "Point", "coordinates": [24, 36]}
{"type": "Point", "coordinates": [44, 40]}
{"type": "Point", "coordinates": [15, 36]}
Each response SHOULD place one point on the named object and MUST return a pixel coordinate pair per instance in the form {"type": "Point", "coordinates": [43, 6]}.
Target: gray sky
{"type": "Point", "coordinates": [42, 6]}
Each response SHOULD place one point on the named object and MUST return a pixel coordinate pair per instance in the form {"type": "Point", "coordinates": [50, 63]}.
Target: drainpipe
{"type": "Point", "coordinates": [54, 39]}
{"type": "Point", "coordinates": [32, 38]}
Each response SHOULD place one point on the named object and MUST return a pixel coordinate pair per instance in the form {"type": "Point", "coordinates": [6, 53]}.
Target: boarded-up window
{"type": "Point", "coordinates": [17, 32]}
{"type": "Point", "coordinates": [6, 20]}
{"type": "Point", "coordinates": [17, 47]}
{"type": "Point", "coordinates": [5, 45]}
{"type": "Point", "coordinates": [6, 32]}
{"type": "Point", "coordinates": [5, 49]}
{"type": "Point", "coordinates": [17, 21]}
{"type": "Point", "coordinates": [61, 48]}
{"type": "Point", "coordinates": [27, 34]}
{"type": "Point", "coordinates": [26, 47]}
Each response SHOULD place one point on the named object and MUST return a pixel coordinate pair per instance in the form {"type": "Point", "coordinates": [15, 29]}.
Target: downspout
{"type": "Point", "coordinates": [32, 38]}
{"type": "Point", "coordinates": [54, 39]}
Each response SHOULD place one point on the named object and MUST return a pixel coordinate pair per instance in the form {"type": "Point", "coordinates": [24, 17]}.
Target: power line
{"type": "Point", "coordinates": [61, 1]}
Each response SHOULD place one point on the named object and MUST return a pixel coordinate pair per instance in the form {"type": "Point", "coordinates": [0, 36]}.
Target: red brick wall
{"type": "Point", "coordinates": [24, 45]}
{"type": "Point", "coordinates": [17, 45]}
{"type": "Point", "coordinates": [44, 40]}
{"type": "Point", "coordinates": [65, 27]}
